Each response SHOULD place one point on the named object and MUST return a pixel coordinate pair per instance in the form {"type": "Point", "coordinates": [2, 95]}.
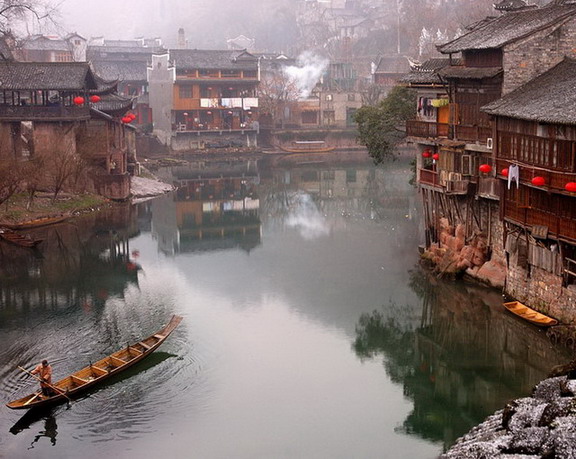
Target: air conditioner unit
{"type": "Point", "coordinates": [489, 143]}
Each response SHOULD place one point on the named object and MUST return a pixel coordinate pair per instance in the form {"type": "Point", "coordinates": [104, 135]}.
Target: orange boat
{"type": "Point", "coordinates": [529, 314]}
{"type": "Point", "coordinates": [39, 222]}
{"type": "Point", "coordinates": [308, 146]}
{"type": "Point", "coordinates": [18, 239]}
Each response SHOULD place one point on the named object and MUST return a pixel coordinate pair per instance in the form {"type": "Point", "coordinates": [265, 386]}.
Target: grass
{"type": "Point", "coordinates": [15, 211]}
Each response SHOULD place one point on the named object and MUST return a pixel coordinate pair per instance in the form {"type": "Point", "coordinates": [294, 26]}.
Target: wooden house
{"type": "Point", "coordinates": [54, 111]}
{"type": "Point", "coordinates": [535, 159]}
{"type": "Point", "coordinates": [212, 93]}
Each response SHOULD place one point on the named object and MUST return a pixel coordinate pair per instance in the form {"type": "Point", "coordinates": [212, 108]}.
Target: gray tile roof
{"type": "Point", "coordinates": [509, 27]}
{"type": "Point", "coordinates": [212, 59]}
{"type": "Point", "coordinates": [122, 71]}
{"type": "Point", "coordinates": [45, 43]}
{"type": "Point", "coordinates": [427, 72]}
{"type": "Point", "coordinates": [475, 73]}
{"type": "Point", "coordinates": [548, 98]}
{"type": "Point", "coordinates": [72, 76]}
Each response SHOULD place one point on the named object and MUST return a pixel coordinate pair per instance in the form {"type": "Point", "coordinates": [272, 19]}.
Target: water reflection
{"type": "Point", "coordinates": [215, 207]}
{"type": "Point", "coordinates": [464, 360]}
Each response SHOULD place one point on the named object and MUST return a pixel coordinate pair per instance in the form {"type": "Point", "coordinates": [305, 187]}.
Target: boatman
{"type": "Point", "coordinates": [44, 371]}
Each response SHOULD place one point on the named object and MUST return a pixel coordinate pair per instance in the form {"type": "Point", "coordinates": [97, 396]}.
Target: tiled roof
{"type": "Point", "coordinates": [213, 59]}
{"type": "Point", "coordinates": [548, 98]}
{"type": "Point", "coordinates": [461, 72]}
{"type": "Point", "coordinates": [110, 103]}
{"type": "Point", "coordinates": [122, 49]}
{"type": "Point", "coordinates": [509, 27]}
{"type": "Point", "coordinates": [427, 72]}
{"type": "Point", "coordinates": [511, 5]}
{"type": "Point", "coordinates": [393, 64]}
{"type": "Point", "coordinates": [123, 71]}
{"type": "Point", "coordinates": [46, 75]}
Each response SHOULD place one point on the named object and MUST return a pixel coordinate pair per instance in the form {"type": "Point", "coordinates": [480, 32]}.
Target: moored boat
{"type": "Point", "coordinates": [530, 314]}
{"type": "Point", "coordinates": [36, 223]}
{"type": "Point", "coordinates": [97, 372]}
{"type": "Point", "coordinates": [18, 239]}
{"type": "Point", "coordinates": [307, 146]}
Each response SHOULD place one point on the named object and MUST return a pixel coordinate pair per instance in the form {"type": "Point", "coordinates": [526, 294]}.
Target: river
{"type": "Point", "coordinates": [309, 330]}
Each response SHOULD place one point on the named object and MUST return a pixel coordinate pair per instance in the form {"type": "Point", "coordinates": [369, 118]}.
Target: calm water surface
{"type": "Point", "coordinates": [308, 332]}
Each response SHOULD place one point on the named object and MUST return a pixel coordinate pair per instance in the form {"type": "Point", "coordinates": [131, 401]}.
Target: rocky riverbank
{"type": "Point", "coordinates": [540, 426]}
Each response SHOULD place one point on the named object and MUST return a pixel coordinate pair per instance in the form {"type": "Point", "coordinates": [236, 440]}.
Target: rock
{"type": "Point", "coordinates": [492, 273]}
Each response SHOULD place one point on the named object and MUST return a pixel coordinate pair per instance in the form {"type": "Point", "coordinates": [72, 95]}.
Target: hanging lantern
{"type": "Point", "coordinates": [485, 168]}
{"type": "Point", "coordinates": [426, 154]}
{"type": "Point", "coordinates": [132, 116]}
{"type": "Point", "coordinates": [435, 156]}
{"type": "Point", "coordinates": [94, 99]}
{"type": "Point", "coordinates": [504, 172]}
{"type": "Point", "coordinates": [538, 181]}
{"type": "Point", "coordinates": [126, 119]}
{"type": "Point", "coordinates": [78, 100]}
{"type": "Point", "coordinates": [571, 187]}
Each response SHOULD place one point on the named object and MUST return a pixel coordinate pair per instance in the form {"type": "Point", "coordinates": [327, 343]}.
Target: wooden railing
{"type": "Point", "coordinates": [416, 128]}
{"type": "Point", "coordinates": [529, 216]}
{"type": "Point", "coordinates": [457, 186]}
{"type": "Point", "coordinates": [554, 154]}
{"type": "Point", "coordinates": [42, 112]}
{"type": "Point", "coordinates": [472, 133]}
{"type": "Point", "coordinates": [429, 177]}
{"type": "Point", "coordinates": [554, 179]}
{"type": "Point", "coordinates": [489, 187]}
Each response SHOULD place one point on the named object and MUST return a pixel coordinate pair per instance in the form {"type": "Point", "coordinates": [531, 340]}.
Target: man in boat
{"type": "Point", "coordinates": [44, 371]}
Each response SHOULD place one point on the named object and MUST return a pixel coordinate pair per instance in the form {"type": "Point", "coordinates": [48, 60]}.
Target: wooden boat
{"type": "Point", "coordinates": [36, 223]}
{"type": "Point", "coordinates": [307, 146]}
{"type": "Point", "coordinates": [95, 373]}
{"type": "Point", "coordinates": [529, 314]}
{"type": "Point", "coordinates": [18, 239]}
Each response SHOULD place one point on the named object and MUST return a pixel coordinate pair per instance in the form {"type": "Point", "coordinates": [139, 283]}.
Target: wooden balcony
{"type": "Point", "coordinates": [429, 177]}
{"type": "Point", "coordinates": [488, 187]}
{"type": "Point", "coordinates": [457, 186]}
{"type": "Point", "coordinates": [425, 129]}
{"type": "Point", "coordinates": [558, 226]}
{"type": "Point", "coordinates": [472, 133]}
{"type": "Point", "coordinates": [43, 113]}
{"type": "Point", "coordinates": [555, 180]}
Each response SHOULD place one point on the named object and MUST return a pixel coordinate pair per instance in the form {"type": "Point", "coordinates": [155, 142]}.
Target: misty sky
{"type": "Point", "coordinates": [208, 23]}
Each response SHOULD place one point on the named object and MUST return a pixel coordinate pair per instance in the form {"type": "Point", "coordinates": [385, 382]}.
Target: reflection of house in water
{"type": "Point", "coordinates": [344, 188]}
{"type": "Point", "coordinates": [215, 207]}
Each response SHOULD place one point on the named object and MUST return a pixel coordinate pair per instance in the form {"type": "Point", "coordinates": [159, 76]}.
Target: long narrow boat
{"type": "Point", "coordinates": [36, 223]}
{"type": "Point", "coordinates": [18, 239]}
{"type": "Point", "coordinates": [307, 146]}
{"type": "Point", "coordinates": [529, 314]}
{"type": "Point", "coordinates": [94, 374]}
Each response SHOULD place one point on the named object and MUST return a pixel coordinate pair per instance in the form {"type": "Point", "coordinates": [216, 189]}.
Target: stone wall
{"type": "Point", "coordinates": [525, 59]}
{"type": "Point", "coordinates": [541, 290]}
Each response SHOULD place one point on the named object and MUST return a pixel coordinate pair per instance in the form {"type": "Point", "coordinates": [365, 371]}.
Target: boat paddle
{"type": "Point", "coordinates": [60, 391]}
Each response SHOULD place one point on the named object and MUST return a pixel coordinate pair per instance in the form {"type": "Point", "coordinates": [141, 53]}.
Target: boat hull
{"type": "Point", "coordinates": [530, 314]}
{"type": "Point", "coordinates": [94, 374]}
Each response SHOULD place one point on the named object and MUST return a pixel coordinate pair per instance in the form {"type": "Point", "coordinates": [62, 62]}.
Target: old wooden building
{"type": "Point", "coordinates": [534, 154]}
{"type": "Point", "coordinates": [55, 111]}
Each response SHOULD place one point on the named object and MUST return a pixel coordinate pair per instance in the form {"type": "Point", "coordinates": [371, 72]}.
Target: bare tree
{"type": "Point", "coordinates": [14, 13]}
{"type": "Point", "coordinates": [275, 92]}
{"type": "Point", "coordinates": [372, 93]}
{"type": "Point", "coordinates": [61, 168]}
{"type": "Point", "coordinates": [34, 176]}
{"type": "Point", "coordinates": [10, 179]}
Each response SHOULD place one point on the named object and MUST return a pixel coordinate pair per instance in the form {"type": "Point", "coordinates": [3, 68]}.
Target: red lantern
{"type": "Point", "coordinates": [538, 181]}
{"type": "Point", "coordinates": [485, 168]}
{"type": "Point", "coordinates": [435, 156]}
{"type": "Point", "coordinates": [426, 154]}
{"type": "Point", "coordinates": [132, 116]}
{"type": "Point", "coordinates": [571, 187]}
{"type": "Point", "coordinates": [78, 100]}
{"type": "Point", "coordinates": [94, 99]}
{"type": "Point", "coordinates": [126, 119]}
{"type": "Point", "coordinates": [504, 172]}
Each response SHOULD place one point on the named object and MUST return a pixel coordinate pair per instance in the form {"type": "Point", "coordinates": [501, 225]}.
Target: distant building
{"type": "Point", "coordinates": [241, 42]}
{"type": "Point", "coordinates": [42, 48]}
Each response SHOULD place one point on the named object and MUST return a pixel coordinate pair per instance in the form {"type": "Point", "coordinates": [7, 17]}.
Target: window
{"type": "Point", "coordinates": [329, 117]}
{"type": "Point", "coordinates": [351, 97]}
{"type": "Point", "coordinates": [185, 92]}
{"type": "Point", "coordinates": [328, 96]}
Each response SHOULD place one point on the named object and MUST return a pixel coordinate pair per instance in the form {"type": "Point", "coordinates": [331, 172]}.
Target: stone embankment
{"type": "Point", "coordinates": [143, 188]}
{"type": "Point", "coordinates": [456, 254]}
{"type": "Point", "coordinates": [541, 426]}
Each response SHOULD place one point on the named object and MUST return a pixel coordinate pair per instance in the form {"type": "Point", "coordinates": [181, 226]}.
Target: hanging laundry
{"type": "Point", "coordinates": [513, 175]}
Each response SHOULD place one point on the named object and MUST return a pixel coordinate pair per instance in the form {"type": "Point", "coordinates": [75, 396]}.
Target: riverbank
{"type": "Point", "coordinates": [540, 426]}
{"type": "Point", "coordinates": [18, 209]}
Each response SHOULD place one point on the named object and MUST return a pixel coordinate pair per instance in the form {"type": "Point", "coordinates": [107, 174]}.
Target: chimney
{"type": "Point", "coordinates": [181, 38]}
